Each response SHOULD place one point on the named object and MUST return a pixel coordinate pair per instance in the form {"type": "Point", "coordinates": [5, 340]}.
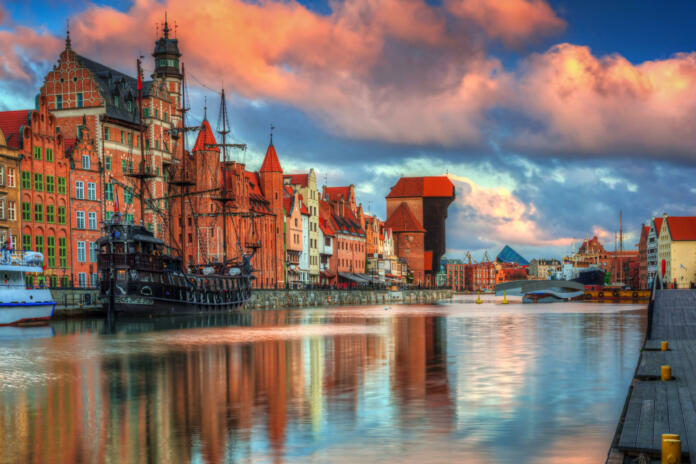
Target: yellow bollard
{"type": "Point", "coordinates": [665, 372]}
{"type": "Point", "coordinates": [478, 300]}
{"type": "Point", "coordinates": [664, 346]}
{"type": "Point", "coordinates": [505, 301]}
{"type": "Point", "coordinates": [671, 448]}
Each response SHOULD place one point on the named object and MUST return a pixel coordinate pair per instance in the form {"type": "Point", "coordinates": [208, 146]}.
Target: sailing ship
{"type": "Point", "coordinates": [141, 274]}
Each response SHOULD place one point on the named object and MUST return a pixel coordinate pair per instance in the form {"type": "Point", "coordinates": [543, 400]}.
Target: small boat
{"type": "Point", "coordinates": [551, 296]}
{"type": "Point", "coordinates": [20, 303]}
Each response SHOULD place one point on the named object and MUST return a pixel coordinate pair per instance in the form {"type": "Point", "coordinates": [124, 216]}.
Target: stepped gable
{"type": "Point", "coordinates": [114, 83]}
{"type": "Point", "coordinates": [508, 255]}
{"type": "Point", "coordinates": [11, 123]}
{"type": "Point", "coordinates": [270, 161]}
{"type": "Point", "coordinates": [403, 220]}
{"type": "Point", "coordinates": [427, 187]}
{"type": "Point", "coordinates": [682, 228]}
{"type": "Point", "coordinates": [205, 138]}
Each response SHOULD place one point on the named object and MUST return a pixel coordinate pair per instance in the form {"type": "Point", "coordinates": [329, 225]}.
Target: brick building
{"type": "Point", "coordinates": [85, 211]}
{"type": "Point", "coordinates": [306, 185]}
{"type": "Point", "coordinates": [483, 276]}
{"type": "Point", "coordinates": [327, 252]}
{"type": "Point", "coordinates": [420, 203]}
{"type": "Point", "coordinates": [292, 206]}
{"type": "Point", "coordinates": [9, 190]}
{"type": "Point", "coordinates": [456, 276]}
{"type": "Point", "coordinates": [80, 91]}
{"type": "Point", "coordinates": [43, 187]}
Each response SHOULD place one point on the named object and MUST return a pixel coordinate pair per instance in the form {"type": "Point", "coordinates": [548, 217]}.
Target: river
{"type": "Point", "coordinates": [458, 383]}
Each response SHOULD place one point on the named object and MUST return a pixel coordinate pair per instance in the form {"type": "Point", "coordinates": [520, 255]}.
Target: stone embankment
{"type": "Point", "coordinates": [77, 302]}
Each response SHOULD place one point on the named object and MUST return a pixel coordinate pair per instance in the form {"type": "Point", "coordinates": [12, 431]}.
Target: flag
{"type": "Point", "coordinates": [116, 200]}
{"type": "Point", "coordinates": [140, 82]}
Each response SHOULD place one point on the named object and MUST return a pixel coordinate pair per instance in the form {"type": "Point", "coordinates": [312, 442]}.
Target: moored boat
{"type": "Point", "coordinates": [20, 302]}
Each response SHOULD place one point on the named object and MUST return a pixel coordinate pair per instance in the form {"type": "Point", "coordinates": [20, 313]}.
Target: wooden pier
{"type": "Point", "coordinates": [654, 406]}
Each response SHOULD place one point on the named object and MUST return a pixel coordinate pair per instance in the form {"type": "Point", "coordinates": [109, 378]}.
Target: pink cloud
{"type": "Point", "coordinates": [21, 48]}
{"type": "Point", "coordinates": [606, 104]}
{"type": "Point", "coordinates": [514, 22]}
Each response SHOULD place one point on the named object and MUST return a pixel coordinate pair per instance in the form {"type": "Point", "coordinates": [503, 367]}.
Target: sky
{"type": "Point", "coordinates": [550, 117]}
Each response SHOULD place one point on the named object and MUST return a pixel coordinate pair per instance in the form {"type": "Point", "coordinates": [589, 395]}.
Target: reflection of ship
{"type": "Point", "coordinates": [20, 302]}
{"type": "Point", "coordinates": [26, 332]}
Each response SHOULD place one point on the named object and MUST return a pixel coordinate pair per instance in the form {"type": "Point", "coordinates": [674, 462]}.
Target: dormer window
{"type": "Point", "coordinates": [116, 102]}
{"type": "Point", "coordinates": [130, 106]}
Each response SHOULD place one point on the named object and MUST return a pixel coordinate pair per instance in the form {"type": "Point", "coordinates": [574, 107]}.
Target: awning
{"type": "Point", "coordinates": [327, 274]}
{"type": "Point", "coordinates": [369, 278]}
{"type": "Point", "coordinates": [147, 238]}
{"type": "Point", "coordinates": [353, 277]}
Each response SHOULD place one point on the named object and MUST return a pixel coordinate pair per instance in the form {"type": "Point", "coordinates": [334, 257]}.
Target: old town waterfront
{"type": "Point", "coordinates": [463, 382]}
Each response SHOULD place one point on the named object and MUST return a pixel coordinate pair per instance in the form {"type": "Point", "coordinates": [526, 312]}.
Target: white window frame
{"type": "Point", "coordinates": [92, 220]}
{"type": "Point", "coordinates": [79, 190]}
{"type": "Point", "coordinates": [80, 219]}
{"type": "Point", "coordinates": [81, 253]}
{"type": "Point", "coordinates": [91, 191]}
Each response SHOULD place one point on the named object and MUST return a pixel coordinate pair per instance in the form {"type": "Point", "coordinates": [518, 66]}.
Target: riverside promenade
{"type": "Point", "coordinates": [654, 406]}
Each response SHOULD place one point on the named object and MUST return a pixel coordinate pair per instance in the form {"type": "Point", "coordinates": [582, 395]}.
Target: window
{"type": "Point", "coordinates": [124, 166]}
{"type": "Point", "coordinates": [38, 213]}
{"type": "Point", "coordinates": [149, 226]}
{"type": "Point", "coordinates": [10, 177]}
{"type": "Point", "coordinates": [85, 162]}
{"type": "Point", "coordinates": [61, 185]}
{"type": "Point", "coordinates": [127, 196]}
{"type": "Point", "coordinates": [50, 184]}
{"type": "Point", "coordinates": [2, 209]}
{"type": "Point", "coordinates": [79, 190]}
{"type": "Point", "coordinates": [147, 143]}
{"type": "Point", "coordinates": [95, 276]}
{"type": "Point", "coordinates": [91, 191]}
{"type": "Point", "coordinates": [26, 180]}
{"type": "Point", "coordinates": [82, 277]}
{"type": "Point", "coordinates": [165, 116]}
{"type": "Point", "coordinates": [107, 163]}
{"type": "Point", "coordinates": [65, 281]}
{"type": "Point", "coordinates": [11, 210]}
{"type": "Point", "coordinates": [117, 102]}
{"type": "Point", "coordinates": [2, 174]}
{"type": "Point", "coordinates": [130, 139]}
{"type": "Point", "coordinates": [38, 182]}
{"type": "Point", "coordinates": [59, 102]}
{"type": "Point", "coordinates": [129, 218]}
{"type": "Point", "coordinates": [80, 100]}
{"type": "Point", "coordinates": [130, 106]}
{"type": "Point", "coordinates": [26, 211]}
{"type": "Point", "coordinates": [93, 249]}
{"type": "Point", "coordinates": [61, 215]}
{"type": "Point", "coordinates": [92, 220]}
{"type": "Point", "coordinates": [49, 154]}
{"type": "Point", "coordinates": [37, 153]}
{"type": "Point", "coordinates": [122, 134]}
{"type": "Point", "coordinates": [51, 250]}
{"type": "Point", "coordinates": [156, 113]}
{"type": "Point", "coordinates": [50, 214]}
{"type": "Point", "coordinates": [157, 144]}
{"type": "Point", "coordinates": [80, 215]}
{"type": "Point", "coordinates": [130, 167]}
{"type": "Point", "coordinates": [146, 112]}
{"type": "Point", "coordinates": [39, 243]}
{"type": "Point", "coordinates": [108, 215]}
{"type": "Point", "coordinates": [26, 242]}
{"type": "Point", "coordinates": [108, 192]}
{"type": "Point", "coordinates": [81, 251]}
{"type": "Point", "coordinates": [106, 133]}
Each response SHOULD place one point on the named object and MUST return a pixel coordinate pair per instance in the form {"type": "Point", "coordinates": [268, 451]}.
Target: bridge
{"type": "Point", "coordinates": [522, 287]}
{"type": "Point", "coordinates": [653, 406]}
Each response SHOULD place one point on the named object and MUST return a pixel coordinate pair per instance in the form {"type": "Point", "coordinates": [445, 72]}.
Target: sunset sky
{"type": "Point", "coordinates": [549, 117]}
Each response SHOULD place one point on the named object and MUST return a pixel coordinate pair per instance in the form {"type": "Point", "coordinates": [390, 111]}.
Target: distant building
{"type": "Point", "coordinates": [643, 257]}
{"type": "Point", "coordinates": [456, 275]}
{"type": "Point", "coordinates": [651, 249]}
{"type": "Point", "coordinates": [542, 268]}
{"type": "Point", "coordinates": [508, 255]}
{"type": "Point", "coordinates": [306, 184]}
{"type": "Point", "coordinates": [416, 213]}
{"type": "Point", "coordinates": [9, 191]}
{"type": "Point", "coordinates": [483, 276]}
{"type": "Point", "coordinates": [677, 246]}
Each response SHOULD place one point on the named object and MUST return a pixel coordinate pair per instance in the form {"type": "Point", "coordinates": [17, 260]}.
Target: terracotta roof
{"type": "Point", "coordinates": [439, 186]}
{"type": "Point", "coordinates": [326, 228]}
{"type": "Point", "coordinates": [682, 228]}
{"type": "Point", "coordinates": [658, 226]}
{"type": "Point", "coordinates": [298, 179]}
{"type": "Point", "coordinates": [335, 193]}
{"type": "Point", "coordinates": [303, 208]}
{"type": "Point", "coordinates": [403, 220]}
{"type": "Point", "coordinates": [205, 138]}
{"type": "Point", "coordinates": [11, 123]}
{"type": "Point", "coordinates": [270, 162]}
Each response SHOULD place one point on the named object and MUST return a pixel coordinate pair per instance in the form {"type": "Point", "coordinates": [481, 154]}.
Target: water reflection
{"type": "Point", "coordinates": [413, 384]}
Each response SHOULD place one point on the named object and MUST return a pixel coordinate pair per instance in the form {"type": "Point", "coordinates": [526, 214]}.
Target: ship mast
{"type": "Point", "coordinates": [225, 196]}
{"type": "Point", "coordinates": [141, 175]}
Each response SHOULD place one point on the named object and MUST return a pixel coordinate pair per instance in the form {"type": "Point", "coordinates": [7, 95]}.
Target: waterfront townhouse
{"type": "Point", "coordinates": [643, 257]}
{"type": "Point", "coordinates": [80, 91]}
{"type": "Point", "coordinates": [43, 187]}
{"type": "Point", "coordinates": [306, 184]}
{"type": "Point", "coordinates": [327, 261]}
{"type": "Point", "coordinates": [455, 271]}
{"type": "Point", "coordinates": [293, 237]}
{"type": "Point", "coordinates": [677, 247]}
{"type": "Point", "coordinates": [85, 207]}
{"type": "Point", "coordinates": [651, 249]}
{"type": "Point", "coordinates": [9, 191]}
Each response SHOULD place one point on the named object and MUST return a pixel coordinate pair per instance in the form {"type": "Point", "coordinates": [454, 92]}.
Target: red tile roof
{"type": "Point", "coordinates": [205, 138]}
{"type": "Point", "coordinates": [439, 186]}
{"type": "Point", "coordinates": [298, 179]}
{"type": "Point", "coordinates": [403, 220]}
{"type": "Point", "coordinates": [658, 226]}
{"type": "Point", "coordinates": [682, 228]}
{"type": "Point", "coordinates": [326, 228]}
{"type": "Point", "coordinates": [270, 162]}
{"type": "Point", "coordinates": [11, 122]}
{"type": "Point", "coordinates": [335, 193]}
{"type": "Point", "coordinates": [303, 208]}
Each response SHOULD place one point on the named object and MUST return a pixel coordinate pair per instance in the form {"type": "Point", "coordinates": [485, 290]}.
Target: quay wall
{"type": "Point", "coordinates": [78, 302]}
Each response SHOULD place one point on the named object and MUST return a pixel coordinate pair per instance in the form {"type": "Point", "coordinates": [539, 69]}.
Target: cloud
{"type": "Point", "coordinates": [580, 103]}
{"type": "Point", "coordinates": [514, 22]}
{"type": "Point", "coordinates": [23, 50]}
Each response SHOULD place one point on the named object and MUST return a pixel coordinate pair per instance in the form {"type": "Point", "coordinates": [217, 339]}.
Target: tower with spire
{"type": "Point", "coordinates": [166, 55]}
{"type": "Point", "coordinates": [271, 177]}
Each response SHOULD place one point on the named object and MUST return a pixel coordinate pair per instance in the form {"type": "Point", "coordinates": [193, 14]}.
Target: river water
{"type": "Point", "coordinates": [458, 383]}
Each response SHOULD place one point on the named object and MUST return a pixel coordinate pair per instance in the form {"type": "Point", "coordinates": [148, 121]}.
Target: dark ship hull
{"type": "Point", "coordinates": [138, 278]}
{"type": "Point", "coordinates": [590, 277]}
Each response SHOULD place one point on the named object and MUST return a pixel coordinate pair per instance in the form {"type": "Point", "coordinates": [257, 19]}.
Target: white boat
{"type": "Point", "coordinates": [18, 303]}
